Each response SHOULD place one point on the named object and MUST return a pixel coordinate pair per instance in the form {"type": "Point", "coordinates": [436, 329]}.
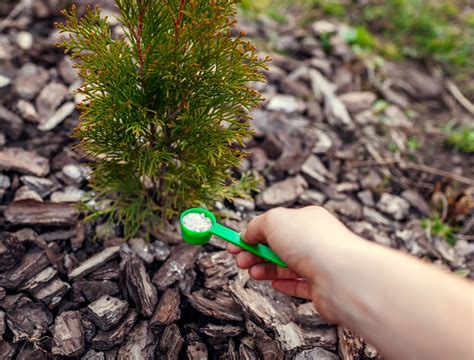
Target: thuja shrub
{"type": "Point", "coordinates": [166, 110]}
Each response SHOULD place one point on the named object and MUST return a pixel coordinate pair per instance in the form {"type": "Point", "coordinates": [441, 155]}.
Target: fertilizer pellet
{"type": "Point", "coordinates": [197, 222]}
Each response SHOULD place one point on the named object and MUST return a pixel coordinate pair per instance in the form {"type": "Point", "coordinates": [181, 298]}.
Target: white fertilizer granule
{"type": "Point", "coordinates": [197, 222]}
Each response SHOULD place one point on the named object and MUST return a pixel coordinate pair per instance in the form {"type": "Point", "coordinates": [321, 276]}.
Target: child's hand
{"type": "Point", "coordinates": [309, 240]}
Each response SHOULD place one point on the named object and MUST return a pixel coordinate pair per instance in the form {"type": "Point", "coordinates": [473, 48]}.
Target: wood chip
{"type": "Point", "coordinates": [52, 293]}
{"type": "Point", "coordinates": [11, 251]}
{"type": "Point", "coordinates": [7, 350]}
{"type": "Point", "coordinates": [68, 334]}
{"type": "Point", "coordinates": [106, 340]}
{"type": "Point", "coordinates": [306, 315]}
{"type": "Point", "coordinates": [32, 263]}
{"type": "Point", "coordinates": [94, 262]}
{"type": "Point", "coordinates": [23, 161]}
{"type": "Point", "coordinates": [350, 345]}
{"type": "Point", "coordinates": [106, 311]}
{"type": "Point", "coordinates": [31, 212]}
{"type": "Point", "coordinates": [142, 292]}
{"type": "Point", "coordinates": [196, 349]}
{"type": "Point", "coordinates": [181, 259]}
{"type": "Point", "coordinates": [28, 320]}
{"type": "Point", "coordinates": [108, 271]}
{"type": "Point", "coordinates": [92, 290]}
{"type": "Point", "coordinates": [219, 305]}
{"type": "Point", "coordinates": [140, 343]}
{"type": "Point", "coordinates": [2, 323]}
{"type": "Point", "coordinates": [255, 306]}
{"type": "Point", "coordinates": [171, 343]}
{"type": "Point", "coordinates": [217, 267]}
{"type": "Point", "coordinates": [167, 311]}
{"type": "Point", "coordinates": [213, 330]}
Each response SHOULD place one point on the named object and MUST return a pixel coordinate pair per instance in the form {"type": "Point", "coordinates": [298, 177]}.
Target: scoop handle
{"type": "Point", "coordinates": [233, 237]}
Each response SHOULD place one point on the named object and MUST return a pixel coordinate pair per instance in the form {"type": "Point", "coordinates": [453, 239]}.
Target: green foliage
{"type": "Point", "coordinates": [442, 30]}
{"type": "Point", "coordinates": [167, 106]}
{"type": "Point", "coordinates": [437, 227]}
{"type": "Point", "coordinates": [461, 138]}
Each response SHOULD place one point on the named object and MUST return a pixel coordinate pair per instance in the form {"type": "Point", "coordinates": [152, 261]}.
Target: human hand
{"type": "Point", "coordinates": [310, 240]}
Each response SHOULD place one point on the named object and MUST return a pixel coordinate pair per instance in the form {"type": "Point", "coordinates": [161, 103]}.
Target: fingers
{"type": "Point", "coordinates": [246, 260]}
{"type": "Point", "coordinates": [255, 231]}
{"type": "Point", "coordinates": [268, 271]}
{"type": "Point", "coordinates": [296, 288]}
{"type": "Point", "coordinates": [233, 249]}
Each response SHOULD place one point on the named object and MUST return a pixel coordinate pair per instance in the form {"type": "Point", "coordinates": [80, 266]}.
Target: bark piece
{"type": "Point", "coordinates": [358, 101]}
{"type": "Point", "coordinates": [141, 290]}
{"type": "Point", "coordinates": [267, 348]}
{"type": "Point", "coordinates": [30, 212]}
{"type": "Point", "coordinates": [68, 334]}
{"type": "Point", "coordinates": [160, 250]}
{"type": "Point", "coordinates": [255, 306]}
{"type": "Point", "coordinates": [350, 345]}
{"type": "Point", "coordinates": [167, 311]}
{"type": "Point", "coordinates": [307, 316]}
{"type": "Point", "coordinates": [288, 335]}
{"type": "Point", "coordinates": [7, 350]}
{"type": "Point", "coordinates": [30, 80]}
{"type": "Point", "coordinates": [50, 97]}
{"type": "Point", "coordinates": [10, 123]}
{"type": "Point", "coordinates": [140, 343]}
{"type": "Point", "coordinates": [28, 320]}
{"type": "Point", "coordinates": [106, 311]}
{"type": "Point", "coordinates": [219, 305]}
{"type": "Point", "coordinates": [90, 330]}
{"type": "Point", "coordinates": [11, 251]}
{"type": "Point", "coordinates": [32, 263]}
{"type": "Point", "coordinates": [395, 206]}
{"type": "Point", "coordinates": [94, 262]}
{"type": "Point", "coordinates": [59, 116]}
{"type": "Point", "coordinates": [213, 330]}
{"type": "Point", "coordinates": [316, 353]}
{"type": "Point", "coordinates": [23, 161]}
{"type": "Point", "coordinates": [321, 336]}
{"type": "Point", "coordinates": [2, 323]}
{"type": "Point", "coordinates": [232, 352]}
{"type": "Point", "coordinates": [348, 207]}
{"type": "Point", "coordinates": [52, 293]}
{"type": "Point", "coordinates": [39, 280]}
{"type": "Point", "coordinates": [142, 249]}
{"type": "Point", "coordinates": [170, 343]}
{"type": "Point", "coordinates": [283, 193]}
{"type": "Point", "coordinates": [93, 355]}
{"type": "Point", "coordinates": [106, 340]}
{"type": "Point", "coordinates": [217, 267]}
{"type": "Point", "coordinates": [108, 271]}
{"type": "Point", "coordinates": [31, 352]}
{"type": "Point", "coordinates": [92, 290]}
{"type": "Point", "coordinates": [181, 259]}
{"type": "Point", "coordinates": [196, 349]}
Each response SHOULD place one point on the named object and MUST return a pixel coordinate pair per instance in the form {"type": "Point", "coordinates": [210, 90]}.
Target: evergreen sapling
{"type": "Point", "coordinates": [166, 110]}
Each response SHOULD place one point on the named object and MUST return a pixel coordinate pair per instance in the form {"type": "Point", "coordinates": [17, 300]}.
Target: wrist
{"type": "Point", "coordinates": [337, 281]}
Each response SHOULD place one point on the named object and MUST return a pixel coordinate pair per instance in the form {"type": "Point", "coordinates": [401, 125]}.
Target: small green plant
{"type": "Point", "coordinates": [437, 227]}
{"type": "Point", "coordinates": [462, 138]}
{"type": "Point", "coordinates": [167, 106]}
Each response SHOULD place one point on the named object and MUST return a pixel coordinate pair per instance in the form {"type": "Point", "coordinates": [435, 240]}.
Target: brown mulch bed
{"type": "Point", "coordinates": [333, 132]}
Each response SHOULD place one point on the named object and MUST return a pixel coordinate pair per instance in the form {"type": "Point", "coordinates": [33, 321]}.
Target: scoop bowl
{"type": "Point", "coordinates": [196, 237]}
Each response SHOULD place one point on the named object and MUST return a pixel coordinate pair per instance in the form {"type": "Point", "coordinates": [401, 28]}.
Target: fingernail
{"type": "Point", "coordinates": [242, 234]}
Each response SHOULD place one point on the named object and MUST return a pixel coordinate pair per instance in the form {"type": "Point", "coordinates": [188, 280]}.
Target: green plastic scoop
{"type": "Point", "coordinates": [202, 237]}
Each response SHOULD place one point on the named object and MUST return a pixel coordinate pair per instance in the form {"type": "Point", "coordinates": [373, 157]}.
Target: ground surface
{"type": "Point", "coordinates": [334, 131]}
